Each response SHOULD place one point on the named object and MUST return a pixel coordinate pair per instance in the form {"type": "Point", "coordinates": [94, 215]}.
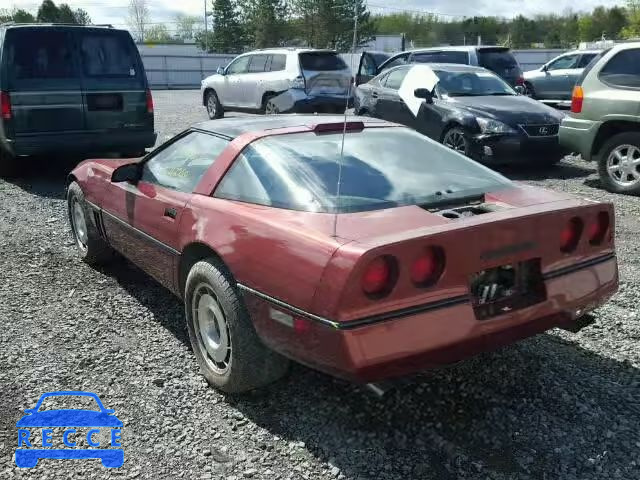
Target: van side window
{"type": "Point", "coordinates": [623, 70]}
{"type": "Point", "coordinates": [36, 55]}
{"type": "Point", "coordinates": [258, 63]}
{"type": "Point", "coordinates": [278, 62]}
{"type": "Point", "coordinates": [107, 54]}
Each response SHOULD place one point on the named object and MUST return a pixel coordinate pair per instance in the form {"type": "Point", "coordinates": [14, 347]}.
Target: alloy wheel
{"type": "Point", "coordinates": [623, 165]}
{"type": "Point", "coordinates": [454, 139]}
{"type": "Point", "coordinates": [79, 225]}
{"type": "Point", "coordinates": [211, 328]}
{"type": "Point", "coordinates": [212, 107]}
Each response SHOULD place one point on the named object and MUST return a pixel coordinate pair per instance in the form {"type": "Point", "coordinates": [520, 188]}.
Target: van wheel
{"type": "Point", "coordinates": [214, 108]}
{"type": "Point", "coordinates": [231, 356]}
{"type": "Point", "coordinates": [90, 246]}
{"type": "Point", "coordinates": [8, 165]}
{"type": "Point", "coordinates": [619, 163]}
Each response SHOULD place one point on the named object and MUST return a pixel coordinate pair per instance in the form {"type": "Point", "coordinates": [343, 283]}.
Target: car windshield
{"type": "Point", "coordinates": [498, 60]}
{"type": "Point", "coordinates": [381, 168]}
{"type": "Point", "coordinates": [458, 84]}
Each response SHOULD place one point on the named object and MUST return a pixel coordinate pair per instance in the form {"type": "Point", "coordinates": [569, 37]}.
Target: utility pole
{"type": "Point", "coordinates": [206, 37]}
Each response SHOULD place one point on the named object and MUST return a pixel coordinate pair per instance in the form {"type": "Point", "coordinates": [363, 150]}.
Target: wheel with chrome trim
{"type": "Point", "coordinates": [456, 139]}
{"type": "Point", "coordinates": [231, 356]}
{"type": "Point", "coordinates": [91, 247]}
{"type": "Point", "coordinates": [214, 108]}
{"type": "Point", "coordinates": [619, 163]}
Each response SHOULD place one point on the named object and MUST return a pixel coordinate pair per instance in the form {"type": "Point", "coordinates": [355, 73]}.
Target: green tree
{"type": "Point", "coordinates": [265, 22]}
{"type": "Point", "coordinates": [187, 26]}
{"type": "Point", "coordinates": [82, 17]}
{"type": "Point", "coordinates": [65, 14]}
{"type": "Point", "coordinates": [227, 32]}
{"type": "Point", "coordinates": [48, 12]}
{"type": "Point", "coordinates": [16, 15]}
{"type": "Point", "coordinates": [158, 33]}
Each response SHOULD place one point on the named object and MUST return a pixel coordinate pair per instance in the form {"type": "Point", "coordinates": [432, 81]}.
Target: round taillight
{"type": "Point", "coordinates": [571, 234]}
{"type": "Point", "coordinates": [599, 228]}
{"type": "Point", "coordinates": [377, 278]}
{"type": "Point", "coordinates": [427, 268]}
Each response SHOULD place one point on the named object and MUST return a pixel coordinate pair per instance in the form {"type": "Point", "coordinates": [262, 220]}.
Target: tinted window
{"type": "Point", "coordinates": [381, 168]}
{"type": "Point", "coordinates": [321, 61]}
{"type": "Point", "coordinates": [181, 165]}
{"type": "Point", "coordinates": [395, 78]}
{"type": "Point", "coordinates": [585, 59]}
{"type": "Point", "coordinates": [568, 61]}
{"type": "Point", "coordinates": [441, 57]}
{"type": "Point", "coordinates": [590, 66]}
{"type": "Point", "coordinates": [239, 65]}
{"type": "Point", "coordinates": [108, 54]}
{"type": "Point", "coordinates": [258, 63]}
{"type": "Point", "coordinates": [278, 63]}
{"type": "Point", "coordinates": [402, 60]}
{"type": "Point", "coordinates": [497, 60]}
{"type": "Point", "coordinates": [457, 84]}
{"type": "Point", "coordinates": [623, 70]}
{"type": "Point", "coordinates": [39, 54]}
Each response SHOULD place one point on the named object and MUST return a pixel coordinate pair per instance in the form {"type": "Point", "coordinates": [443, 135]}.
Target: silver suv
{"type": "Point", "coordinates": [278, 81]}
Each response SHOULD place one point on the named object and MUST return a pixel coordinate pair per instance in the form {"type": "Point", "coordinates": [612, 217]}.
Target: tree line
{"type": "Point", "coordinates": [48, 12]}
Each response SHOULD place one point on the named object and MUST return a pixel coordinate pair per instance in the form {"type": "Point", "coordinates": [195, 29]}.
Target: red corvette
{"type": "Point", "coordinates": [402, 256]}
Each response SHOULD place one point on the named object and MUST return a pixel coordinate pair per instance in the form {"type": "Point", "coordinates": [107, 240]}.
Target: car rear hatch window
{"type": "Point", "coordinates": [325, 73]}
{"type": "Point", "coordinates": [110, 56]}
{"type": "Point", "coordinates": [501, 61]}
{"type": "Point", "coordinates": [381, 168]}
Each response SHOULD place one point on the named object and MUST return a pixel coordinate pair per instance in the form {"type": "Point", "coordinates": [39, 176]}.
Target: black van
{"type": "Point", "coordinates": [66, 89]}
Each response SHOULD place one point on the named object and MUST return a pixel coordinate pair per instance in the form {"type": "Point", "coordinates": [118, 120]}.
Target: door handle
{"type": "Point", "coordinates": [374, 95]}
{"type": "Point", "coordinates": [170, 212]}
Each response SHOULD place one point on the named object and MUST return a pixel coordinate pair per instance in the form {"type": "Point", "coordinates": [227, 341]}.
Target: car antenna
{"type": "Point", "coordinates": [344, 126]}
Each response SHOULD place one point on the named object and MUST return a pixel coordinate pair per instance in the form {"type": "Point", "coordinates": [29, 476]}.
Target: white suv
{"type": "Point", "coordinates": [278, 81]}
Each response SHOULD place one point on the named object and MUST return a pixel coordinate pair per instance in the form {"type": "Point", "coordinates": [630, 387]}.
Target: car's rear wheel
{"type": "Point", "coordinates": [619, 163]}
{"type": "Point", "coordinates": [271, 108]}
{"type": "Point", "coordinates": [456, 139]}
{"type": "Point", "coordinates": [8, 164]}
{"type": "Point", "coordinates": [214, 108]}
{"type": "Point", "coordinates": [231, 356]}
{"type": "Point", "coordinates": [90, 246]}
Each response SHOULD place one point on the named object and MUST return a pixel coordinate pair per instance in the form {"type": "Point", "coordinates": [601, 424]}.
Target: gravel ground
{"type": "Point", "coordinates": [557, 406]}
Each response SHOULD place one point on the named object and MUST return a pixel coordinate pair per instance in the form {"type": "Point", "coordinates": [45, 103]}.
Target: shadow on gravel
{"type": "Point", "coordinates": [561, 171]}
{"type": "Point", "coordinates": [544, 408]}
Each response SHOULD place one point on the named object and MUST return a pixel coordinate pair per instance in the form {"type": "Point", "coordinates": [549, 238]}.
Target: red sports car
{"type": "Point", "coordinates": [369, 260]}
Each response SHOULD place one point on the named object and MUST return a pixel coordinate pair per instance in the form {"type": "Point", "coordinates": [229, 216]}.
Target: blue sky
{"type": "Point", "coordinates": [115, 11]}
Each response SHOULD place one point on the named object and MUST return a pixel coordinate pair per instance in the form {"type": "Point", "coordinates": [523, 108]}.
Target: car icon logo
{"type": "Point", "coordinates": [80, 428]}
{"type": "Point", "coordinates": [543, 131]}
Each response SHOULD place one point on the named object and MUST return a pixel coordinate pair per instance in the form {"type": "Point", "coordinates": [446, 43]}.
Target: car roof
{"type": "Point", "coordinates": [450, 67]}
{"type": "Point", "coordinates": [466, 48]}
{"type": "Point", "coordinates": [55, 25]}
{"type": "Point", "coordinates": [234, 127]}
{"type": "Point", "coordinates": [290, 50]}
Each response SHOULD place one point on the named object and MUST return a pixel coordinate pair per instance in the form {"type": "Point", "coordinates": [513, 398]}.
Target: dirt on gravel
{"type": "Point", "coordinates": [556, 406]}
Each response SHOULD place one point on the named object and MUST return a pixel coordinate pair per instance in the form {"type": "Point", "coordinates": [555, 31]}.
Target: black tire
{"type": "Point", "coordinates": [265, 100]}
{"type": "Point", "coordinates": [627, 143]}
{"type": "Point", "coordinates": [8, 165]}
{"type": "Point", "coordinates": [213, 105]}
{"type": "Point", "coordinates": [458, 133]}
{"type": "Point", "coordinates": [90, 246]}
{"type": "Point", "coordinates": [271, 108]}
{"type": "Point", "coordinates": [133, 154]}
{"type": "Point", "coordinates": [231, 357]}
{"type": "Point", "coordinates": [529, 91]}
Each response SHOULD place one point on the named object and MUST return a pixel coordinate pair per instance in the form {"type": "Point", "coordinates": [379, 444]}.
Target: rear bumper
{"type": "Point", "coordinates": [323, 104]}
{"type": "Point", "coordinates": [577, 135]}
{"type": "Point", "coordinates": [516, 148]}
{"type": "Point", "coordinates": [433, 335]}
{"type": "Point", "coordinates": [94, 142]}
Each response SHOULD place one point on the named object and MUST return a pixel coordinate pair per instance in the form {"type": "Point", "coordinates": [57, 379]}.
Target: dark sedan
{"type": "Point", "coordinates": [469, 109]}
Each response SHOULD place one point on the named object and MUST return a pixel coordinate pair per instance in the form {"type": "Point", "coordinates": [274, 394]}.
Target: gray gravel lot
{"type": "Point", "coordinates": [557, 406]}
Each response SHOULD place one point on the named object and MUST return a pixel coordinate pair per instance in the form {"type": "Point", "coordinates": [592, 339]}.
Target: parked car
{"type": "Point", "coordinates": [243, 219]}
{"type": "Point", "coordinates": [499, 60]}
{"type": "Point", "coordinates": [554, 81]}
{"type": "Point", "coordinates": [468, 109]}
{"type": "Point", "coordinates": [70, 89]}
{"type": "Point", "coordinates": [279, 80]}
{"type": "Point", "coordinates": [604, 124]}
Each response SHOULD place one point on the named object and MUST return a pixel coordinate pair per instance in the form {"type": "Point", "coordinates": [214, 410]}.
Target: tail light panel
{"type": "Point", "coordinates": [149, 101]}
{"type": "Point", "coordinates": [570, 235]}
{"type": "Point", "coordinates": [599, 228]}
{"type": "Point", "coordinates": [380, 276]}
{"type": "Point", "coordinates": [5, 106]}
{"type": "Point", "coordinates": [427, 268]}
{"type": "Point", "coordinates": [576, 99]}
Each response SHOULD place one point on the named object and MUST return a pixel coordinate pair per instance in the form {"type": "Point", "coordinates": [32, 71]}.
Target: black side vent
{"type": "Point", "coordinates": [470, 211]}
{"type": "Point", "coordinates": [97, 219]}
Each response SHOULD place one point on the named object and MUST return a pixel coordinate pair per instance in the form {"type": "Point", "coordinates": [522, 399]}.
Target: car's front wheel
{"type": "Point", "coordinates": [89, 244]}
{"type": "Point", "coordinates": [214, 108]}
{"type": "Point", "coordinates": [619, 163]}
{"type": "Point", "coordinates": [231, 356]}
{"type": "Point", "coordinates": [456, 139]}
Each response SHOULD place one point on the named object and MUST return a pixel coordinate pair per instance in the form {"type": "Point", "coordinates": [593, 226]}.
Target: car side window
{"type": "Point", "coordinates": [395, 78]}
{"type": "Point", "coordinates": [402, 60]}
{"type": "Point", "coordinates": [623, 70]}
{"type": "Point", "coordinates": [181, 165]}
{"type": "Point", "coordinates": [239, 65]}
{"type": "Point", "coordinates": [368, 65]}
{"type": "Point", "coordinates": [568, 61]}
{"type": "Point", "coordinates": [278, 63]}
{"type": "Point", "coordinates": [425, 57]}
{"type": "Point", "coordinates": [258, 63]}
{"type": "Point", "coordinates": [585, 59]}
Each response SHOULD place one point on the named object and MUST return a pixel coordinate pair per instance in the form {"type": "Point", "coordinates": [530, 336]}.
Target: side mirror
{"type": "Point", "coordinates": [544, 68]}
{"type": "Point", "coordinates": [129, 172]}
{"type": "Point", "coordinates": [519, 89]}
{"type": "Point", "coordinates": [423, 93]}
{"type": "Point", "coordinates": [220, 70]}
